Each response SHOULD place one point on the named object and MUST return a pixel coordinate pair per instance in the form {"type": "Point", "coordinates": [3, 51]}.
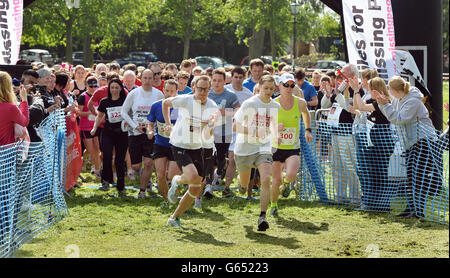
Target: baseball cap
{"type": "Point", "coordinates": [285, 77]}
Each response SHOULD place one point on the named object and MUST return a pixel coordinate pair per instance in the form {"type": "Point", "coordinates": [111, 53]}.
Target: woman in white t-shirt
{"type": "Point", "coordinates": [255, 124]}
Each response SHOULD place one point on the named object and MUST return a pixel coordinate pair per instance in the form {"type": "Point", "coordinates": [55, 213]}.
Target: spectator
{"type": "Point", "coordinates": [256, 68]}
{"type": "Point", "coordinates": [330, 73]}
{"type": "Point", "coordinates": [317, 74]}
{"type": "Point", "coordinates": [183, 79]}
{"type": "Point", "coordinates": [422, 163]}
{"type": "Point", "coordinates": [12, 115]}
{"type": "Point", "coordinates": [61, 86]}
{"type": "Point", "coordinates": [35, 103]}
{"type": "Point", "coordinates": [309, 92]}
{"type": "Point", "coordinates": [340, 121]}
{"type": "Point", "coordinates": [50, 99]}
{"type": "Point", "coordinates": [325, 139]}
{"type": "Point", "coordinates": [373, 153]}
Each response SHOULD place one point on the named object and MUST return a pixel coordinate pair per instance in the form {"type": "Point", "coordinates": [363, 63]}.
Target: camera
{"type": "Point", "coordinates": [37, 87]}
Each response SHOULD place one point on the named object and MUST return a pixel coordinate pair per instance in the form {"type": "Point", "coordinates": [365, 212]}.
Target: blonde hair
{"type": "Point", "coordinates": [6, 91]}
{"type": "Point", "coordinates": [369, 73]}
{"type": "Point", "coordinates": [399, 84]}
{"type": "Point", "coordinates": [378, 84]}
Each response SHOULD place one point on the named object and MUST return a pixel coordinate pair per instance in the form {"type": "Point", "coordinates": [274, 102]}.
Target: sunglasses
{"type": "Point", "coordinates": [92, 85]}
{"type": "Point", "coordinates": [158, 73]}
{"type": "Point", "coordinates": [287, 85]}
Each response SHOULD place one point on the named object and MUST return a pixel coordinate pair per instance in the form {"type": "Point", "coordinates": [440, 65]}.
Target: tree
{"type": "Point", "coordinates": [191, 19]}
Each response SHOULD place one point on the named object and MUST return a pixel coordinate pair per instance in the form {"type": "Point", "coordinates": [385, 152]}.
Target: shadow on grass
{"type": "Point", "coordinates": [260, 237]}
{"type": "Point", "coordinates": [305, 227]}
{"type": "Point", "coordinates": [205, 214]}
{"type": "Point", "coordinates": [200, 237]}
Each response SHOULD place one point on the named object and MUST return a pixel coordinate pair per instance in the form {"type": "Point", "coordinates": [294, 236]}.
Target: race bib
{"type": "Point", "coordinates": [333, 116]}
{"type": "Point", "coordinates": [163, 129]}
{"type": "Point", "coordinates": [287, 136]}
{"type": "Point", "coordinates": [114, 114]}
{"type": "Point", "coordinates": [141, 117]}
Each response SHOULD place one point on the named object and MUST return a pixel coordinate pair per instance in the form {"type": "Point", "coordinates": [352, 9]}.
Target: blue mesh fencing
{"type": "Point", "coordinates": [380, 168]}
{"type": "Point", "coordinates": [31, 185]}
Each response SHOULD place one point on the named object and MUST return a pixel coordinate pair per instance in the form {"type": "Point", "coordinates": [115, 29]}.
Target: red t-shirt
{"type": "Point", "coordinates": [161, 86]}
{"type": "Point", "coordinates": [10, 116]}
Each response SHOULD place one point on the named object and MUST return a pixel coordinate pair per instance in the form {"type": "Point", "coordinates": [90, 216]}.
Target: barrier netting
{"type": "Point", "coordinates": [32, 184]}
{"type": "Point", "coordinates": [381, 168]}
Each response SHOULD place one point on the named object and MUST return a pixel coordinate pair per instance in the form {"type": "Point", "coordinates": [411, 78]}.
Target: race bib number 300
{"type": "Point", "coordinates": [287, 136]}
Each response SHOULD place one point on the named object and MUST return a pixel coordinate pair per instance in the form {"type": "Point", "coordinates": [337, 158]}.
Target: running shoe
{"type": "Point", "coordinates": [104, 186]}
{"type": "Point", "coordinates": [198, 203]}
{"type": "Point", "coordinates": [285, 190]}
{"type": "Point", "coordinates": [141, 194]}
{"type": "Point", "coordinates": [172, 195]}
{"type": "Point", "coordinates": [242, 189]}
{"type": "Point", "coordinates": [262, 224]}
{"type": "Point", "coordinates": [274, 211]}
{"type": "Point", "coordinates": [297, 186]}
{"type": "Point", "coordinates": [226, 193]}
{"type": "Point", "coordinates": [174, 222]}
{"type": "Point", "coordinates": [208, 192]}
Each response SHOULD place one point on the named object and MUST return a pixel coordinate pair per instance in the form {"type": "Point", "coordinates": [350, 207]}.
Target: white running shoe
{"type": "Point", "coordinates": [198, 203]}
{"type": "Point", "coordinates": [174, 222]}
{"type": "Point", "coordinates": [208, 192]}
{"type": "Point", "coordinates": [172, 194]}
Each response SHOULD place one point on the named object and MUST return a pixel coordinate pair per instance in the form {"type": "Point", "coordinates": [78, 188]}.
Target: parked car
{"type": "Point", "coordinates": [211, 62]}
{"type": "Point", "coordinates": [139, 58]}
{"type": "Point", "coordinates": [327, 64]}
{"type": "Point", "coordinates": [37, 55]}
{"type": "Point", "coordinates": [78, 58]}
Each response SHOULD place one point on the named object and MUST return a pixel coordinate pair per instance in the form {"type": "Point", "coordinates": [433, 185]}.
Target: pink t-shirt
{"type": "Point", "coordinates": [11, 115]}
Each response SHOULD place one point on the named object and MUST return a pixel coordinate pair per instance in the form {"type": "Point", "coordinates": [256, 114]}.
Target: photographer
{"type": "Point", "coordinates": [52, 100]}
{"type": "Point", "coordinates": [35, 102]}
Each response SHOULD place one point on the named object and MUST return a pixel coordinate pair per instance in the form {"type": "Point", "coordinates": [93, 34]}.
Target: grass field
{"type": "Point", "coordinates": [102, 225]}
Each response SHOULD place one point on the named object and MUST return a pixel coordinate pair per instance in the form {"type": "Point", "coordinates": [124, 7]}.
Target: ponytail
{"type": "Point", "coordinates": [399, 84]}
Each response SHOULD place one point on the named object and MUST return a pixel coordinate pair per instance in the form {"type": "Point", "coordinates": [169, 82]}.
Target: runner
{"type": "Point", "coordinates": [134, 112]}
{"type": "Point", "coordinates": [223, 134]}
{"type": "Point", "coordinates": [242, 93]}
{"type": "Point", "coordinates": [287, 154]}
{"type": "Point", "coordinates": [113, 138]}
{"type": "Point", "coordinates": [255, 124]}
{"type": "Point", "coordinates": [256, 69]}
{"type": "Point", "coordinates": [197, 116]}
{"type": "Point", "coordinates": [162, 153]}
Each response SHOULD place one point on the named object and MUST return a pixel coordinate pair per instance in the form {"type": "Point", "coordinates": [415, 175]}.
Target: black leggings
{"type": "Point", "coordinates": [221, 156]}
{"type": "Point", "coordinates": [118, 141]}
{"type": "Point", "coordinates": [425, 172]}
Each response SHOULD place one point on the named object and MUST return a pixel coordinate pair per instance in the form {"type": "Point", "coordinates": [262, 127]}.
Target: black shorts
{"type": "Point", "coordinates": [140, 146]}
{"type": "Point", "coordinates": [282, 155]}
{"type": "Point", "coordinates": [87, 134]}
{"type": "Point", "coordinates": [184, 157]}
{"type": "Point", "coordinates": [161, 151]}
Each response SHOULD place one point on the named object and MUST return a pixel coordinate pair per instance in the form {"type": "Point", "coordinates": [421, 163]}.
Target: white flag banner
{"type": "Point", "coordinates": [11, 15]}
{"type": "Point", "coordinates": [369, 31]}
{"type": "Point", "coordinates": [407, 68]}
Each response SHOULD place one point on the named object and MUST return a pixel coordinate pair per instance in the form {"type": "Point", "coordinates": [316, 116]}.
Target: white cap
{"type": "Point", "coordinates": [285, 77]}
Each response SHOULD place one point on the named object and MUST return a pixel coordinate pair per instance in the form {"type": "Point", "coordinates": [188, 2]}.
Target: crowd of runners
{"type": "Point", "coordinates": [199, 129]}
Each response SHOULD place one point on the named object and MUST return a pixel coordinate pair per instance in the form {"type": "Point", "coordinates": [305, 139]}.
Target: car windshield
{"type": "Point", "coordinates": [219, 61]}
{"type": "Point", "coordinates": [78, 56]}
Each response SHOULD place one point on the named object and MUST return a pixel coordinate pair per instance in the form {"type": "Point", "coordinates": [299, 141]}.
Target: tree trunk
{"type": "Point", "coordinates": [186, 45]}
{"type": "Point", "coordinates": [256, 43]}
{"type": "Point", "coordinates": [69, 39]}
{"type": "Point", "coordinates": [273, 42]}
{"type": "Point", "coordinates": [87, 59]}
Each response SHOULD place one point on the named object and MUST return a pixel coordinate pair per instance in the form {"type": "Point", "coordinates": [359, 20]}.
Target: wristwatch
{"type": "Point", "coordinates": [309, 129]}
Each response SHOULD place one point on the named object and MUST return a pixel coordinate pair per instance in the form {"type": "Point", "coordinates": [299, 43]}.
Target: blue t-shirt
{"type": "Point", "coordinates": [249, 84]}
{"type": "Point", "coordinates": [186, 91]}
{"type": "Point", "coordinates": [226, 100]}
{"type": "Point", "coordinates": [308, 91]}
{"type": "Point", "coordinates": [156, 115]}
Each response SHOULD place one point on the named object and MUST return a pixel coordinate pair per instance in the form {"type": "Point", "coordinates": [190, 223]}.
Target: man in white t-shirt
{"type": "Point", "coordinates": [134, 112]}
{"type": "Point", "coordinates": [197, 117]}
{"type": "Point", "coordinates": [256, 127]}
{"type": "Point", "coordinates": [242, 93]}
